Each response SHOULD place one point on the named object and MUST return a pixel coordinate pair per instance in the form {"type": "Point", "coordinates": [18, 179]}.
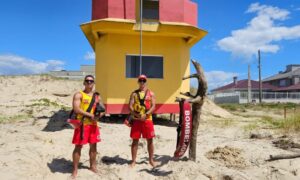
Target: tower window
{"type": "Point", "coordinates": [151, 9]}
{"type": "Point", "coordinates": [151, 66]}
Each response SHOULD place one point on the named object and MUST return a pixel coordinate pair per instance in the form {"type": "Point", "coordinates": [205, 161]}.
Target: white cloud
{"type": "Point", "coordinates": [89, 56]}
{"type": "Point", "coordinates": [14, 65]}
{"type": "Point", "coordinates": [217, 79]}
{"type": "Point", "coordinates": [262, 32]}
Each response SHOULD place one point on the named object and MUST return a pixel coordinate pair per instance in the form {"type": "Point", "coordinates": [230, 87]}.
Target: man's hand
{"type": "Point", "coordinates": [102, 114]}
{"type": "Point", "coordinates": [92, 116]}
{"type": "Point", "coordinates": [135, 114]}
{"type": "Point", "coordinates": [143, 117]}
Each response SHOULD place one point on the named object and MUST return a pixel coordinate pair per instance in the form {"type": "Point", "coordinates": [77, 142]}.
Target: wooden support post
{"type": "Point", "coordinates": [284, 112]}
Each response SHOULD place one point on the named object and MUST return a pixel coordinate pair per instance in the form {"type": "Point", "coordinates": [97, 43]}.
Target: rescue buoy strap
{"type": "Point", "coordinates": [141, 100]}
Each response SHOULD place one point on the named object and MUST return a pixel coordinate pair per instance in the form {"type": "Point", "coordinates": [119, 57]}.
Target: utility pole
{"type": "Point", "coordinates": [249, 84]}
{"type": "Point", "coordinates": [259, 74]}
{"type": "Point", "coordinates": [141, 34]}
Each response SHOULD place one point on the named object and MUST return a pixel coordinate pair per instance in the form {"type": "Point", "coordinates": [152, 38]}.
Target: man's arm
{"type": "Point", "coordinates": [131, 102]}
{"type": "Point", "coordinates": [101, 103]}
{"type": "Point", "coordinates": [76, 106]}
{"type": "Point", "coordinates": [153, 101]}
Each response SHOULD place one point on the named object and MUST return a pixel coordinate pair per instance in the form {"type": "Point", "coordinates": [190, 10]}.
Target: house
{"type": "Point", "coordinates": [278, 88]}
{"type": "Point", "coordinates": [84, 70]}
{"type": "Point", "coordinates": [158, 47]}
{"type": "Point", "coordinates": [286, 81]}
{"type": "Point", "coordinates": [291, 88]}
{"type": "Point", "coordinates": [237, 92]}
{"type": "Point", "coordinates": [242, 86]}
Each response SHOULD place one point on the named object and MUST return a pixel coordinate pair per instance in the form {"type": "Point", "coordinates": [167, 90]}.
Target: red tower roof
{"type": "Point", "coordinates": [182, 11]}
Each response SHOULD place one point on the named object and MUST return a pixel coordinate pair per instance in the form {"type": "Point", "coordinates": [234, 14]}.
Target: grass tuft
{"type": "Point", "coordinates": [292, 123]}
{"type": "Point", "coordinates": [44, 102]}
{"type": "Point", "coordinates": [48, 103]}
{"type": "Point", "coordinates": [251, 127]}
{"type": "Point", "coordinates": [16, 118]}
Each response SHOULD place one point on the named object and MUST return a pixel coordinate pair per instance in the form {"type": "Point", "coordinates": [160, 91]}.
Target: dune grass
{"type": "Point", "coordinates": [47, 103]}
{"type": "Point", "coordinates": [263, 106]}
{"type": "Point", "coordinates": [44, 102]}
{"type": "Point", "coordinates": [292, 123]}
{"type": "Point", "coordinates": [16, 118]}
{"type": "Point", "coordinates": [222, 123]}
{"type": "Point", "coordinates": [252, 126]}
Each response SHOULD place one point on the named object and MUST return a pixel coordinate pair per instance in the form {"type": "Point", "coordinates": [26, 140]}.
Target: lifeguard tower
{"type": "Point", "coordinates": [151, 37]}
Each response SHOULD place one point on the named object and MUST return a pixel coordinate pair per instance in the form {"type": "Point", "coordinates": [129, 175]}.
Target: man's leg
{"type": "Point", "coordinates": [93, 155]}
{"type": "Point", "coordinates": [76, 157]}
{"type": "Point", "coordinates": [151, 152]}
{"type": "Point", "coordinates": [134, 148]}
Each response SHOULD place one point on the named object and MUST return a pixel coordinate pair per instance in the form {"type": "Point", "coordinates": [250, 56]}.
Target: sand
{"type": "Point", "coordinates": [35, 141]}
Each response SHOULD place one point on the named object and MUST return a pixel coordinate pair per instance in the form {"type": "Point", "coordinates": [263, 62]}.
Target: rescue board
{"type": "Point", "coordinates": [184, 129]}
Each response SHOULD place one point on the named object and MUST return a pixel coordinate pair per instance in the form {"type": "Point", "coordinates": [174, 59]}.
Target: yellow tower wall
{"type": "Point", "coordinates": [115, 88]}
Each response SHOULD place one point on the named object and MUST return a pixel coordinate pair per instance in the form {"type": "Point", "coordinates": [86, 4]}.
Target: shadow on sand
{"type": "Point", "coordinates": [114, 160]}
{"type": "Point", "coordinates": [57, 122]}
{"type": "Point", "coordinates": [118, 160]}
{"type": "Point", "coordinates": [156, 172]}
{"type": "Point", "coordinates": [162, 160]}
{"type": "Point", "coordinates": [62, 165]}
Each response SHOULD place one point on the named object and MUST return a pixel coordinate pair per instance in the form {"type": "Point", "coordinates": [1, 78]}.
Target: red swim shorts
{"type": "Point", "coordinates": [144, 128]}
{"type": "Point", "coordinates": [91, 134]}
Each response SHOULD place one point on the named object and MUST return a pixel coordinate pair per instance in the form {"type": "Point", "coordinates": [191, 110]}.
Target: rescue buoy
{"type": "Point", "coordinates": [75, 123]}
{"type": "Point", "coordinates": [184, 129]}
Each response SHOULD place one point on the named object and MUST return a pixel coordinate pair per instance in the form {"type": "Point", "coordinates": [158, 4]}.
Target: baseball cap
{"type": "Point", "coordinates": [142, 76]}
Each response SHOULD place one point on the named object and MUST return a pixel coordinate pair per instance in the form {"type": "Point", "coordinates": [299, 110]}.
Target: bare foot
{"type": "Point", "coordinates": [93, 169]}
{"type": "Point", "coordinates": [132, 164]}
{"type": "Point", "coordinates": [175, 158]}
{"type": "Point", "coordinates": [74, 174]}
{"type": "Point", "coordinates": [153, 163]}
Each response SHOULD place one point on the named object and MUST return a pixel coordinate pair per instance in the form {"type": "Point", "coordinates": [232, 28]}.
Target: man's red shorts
{"type": "Point", "coordinates": [144, 128]}
{"type": "Point", "coordinates": [91, 135]}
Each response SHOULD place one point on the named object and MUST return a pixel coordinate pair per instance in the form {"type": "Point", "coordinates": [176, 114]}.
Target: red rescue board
{"type": "Point", "coordinates": [184, 129]}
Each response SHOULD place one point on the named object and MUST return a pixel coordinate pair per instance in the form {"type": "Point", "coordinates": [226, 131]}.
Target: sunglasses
{"type": "Point", "coordinates": [89, 81]}
{"type": "Point", "coordinates": [142, 81]}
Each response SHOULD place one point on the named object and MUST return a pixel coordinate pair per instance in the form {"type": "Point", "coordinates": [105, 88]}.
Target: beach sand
{"type": "Point", "coordinates": [35, 141]}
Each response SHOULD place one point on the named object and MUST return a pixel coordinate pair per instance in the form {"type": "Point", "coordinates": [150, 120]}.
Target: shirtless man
{"type": "Point", "coordinates": [142, 104]}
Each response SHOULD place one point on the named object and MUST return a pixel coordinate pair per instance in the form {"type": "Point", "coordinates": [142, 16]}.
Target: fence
{"type": "Point", "coordinates": [242, 97]}
{"type": "Point", "coordinates": [271, 95]}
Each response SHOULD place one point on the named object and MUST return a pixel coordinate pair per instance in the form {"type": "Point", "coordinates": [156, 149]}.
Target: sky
{"type": "Point", "coordinates": [38, 36]}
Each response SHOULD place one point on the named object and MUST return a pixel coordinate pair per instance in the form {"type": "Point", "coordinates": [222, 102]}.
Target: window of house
{"type": "Point", "coordinates": [151, 9]}
{"type": "Point", "coordinates": [282, 82]}
{"type": "Point", "coordinates": [151, 66]}
{"type": "Point", "coordinates": [296, 80]}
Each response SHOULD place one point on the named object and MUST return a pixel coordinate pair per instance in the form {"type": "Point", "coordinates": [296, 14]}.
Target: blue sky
{"type": "Point", "coordinates": [38, 36]}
